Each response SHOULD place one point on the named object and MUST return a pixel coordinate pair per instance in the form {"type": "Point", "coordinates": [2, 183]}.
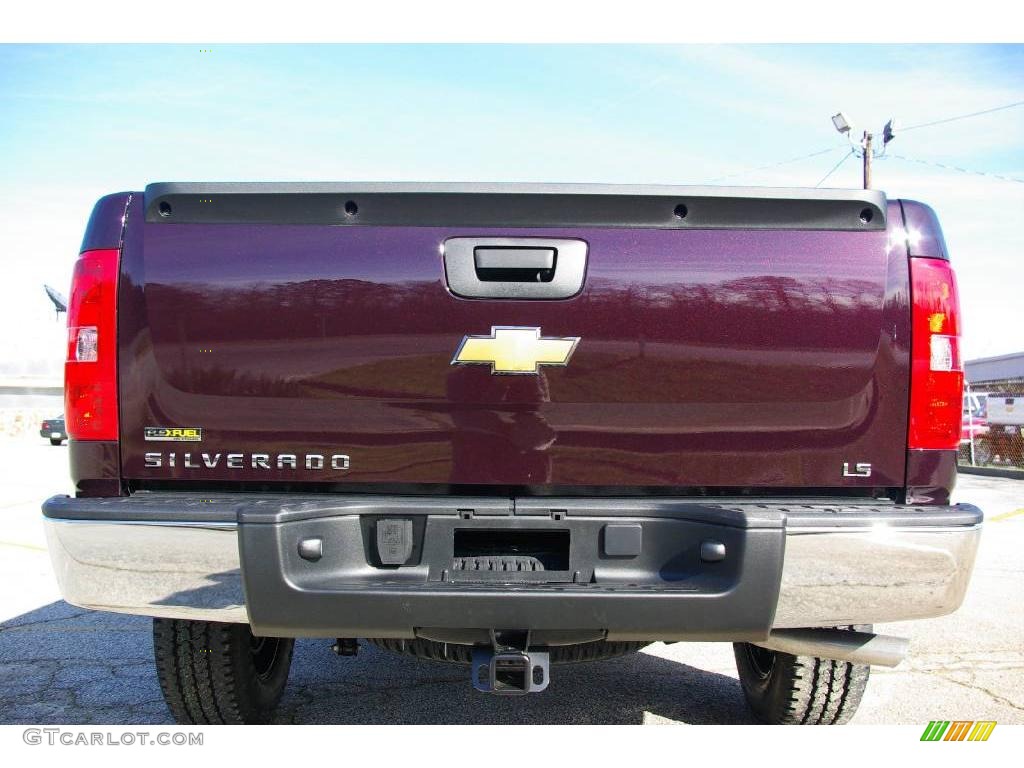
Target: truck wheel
{"type": "Point", "coordinates": [799, 690]}
{"type": "Point", "coordinates": [55, 441]}
{"type": "Point", "coordinates": [213, 673]}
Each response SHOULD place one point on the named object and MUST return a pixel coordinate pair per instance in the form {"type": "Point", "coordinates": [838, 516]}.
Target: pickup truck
{"type": "Point", "coordinates": [512, 427]}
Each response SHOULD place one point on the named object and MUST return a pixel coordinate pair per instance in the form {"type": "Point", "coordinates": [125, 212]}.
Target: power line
{"type": "Point", "coordinates": [835, 167]}
{"type": "Point", "coordinates": [776, 165]}
{"type": "Point", "coordinates": [909, 159]}
{"type": "Point", "coordinates": [957, 168]}
{"type": "Point", "coordinates": [962, 117]}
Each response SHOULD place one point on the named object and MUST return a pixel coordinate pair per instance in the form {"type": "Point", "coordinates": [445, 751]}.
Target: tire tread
{"type": "Point", "coordinates": [804, 690]}
{"type": "Point", "coordinates": [203, 668]}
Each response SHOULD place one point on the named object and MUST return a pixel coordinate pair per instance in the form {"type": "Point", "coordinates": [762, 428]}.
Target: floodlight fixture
{"type": "Point", "coordinates": [889, 132]}
{"type": "Point", "coordinates": [841, 123]}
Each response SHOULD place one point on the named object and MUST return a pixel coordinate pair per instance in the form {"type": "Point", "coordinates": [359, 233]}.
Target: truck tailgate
{"type": "Point", "coordinates": [732, 340]}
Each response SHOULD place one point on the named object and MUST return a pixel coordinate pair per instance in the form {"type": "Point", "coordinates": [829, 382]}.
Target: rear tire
{"type": "Point", "coordinates": [55, 441]}
{"type": "Point", "coordinates": [212, 673]}
{"type": "Point", "coordinates": [782, 689]}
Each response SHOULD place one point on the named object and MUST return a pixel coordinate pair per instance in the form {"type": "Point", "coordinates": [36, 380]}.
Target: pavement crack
{"type": "Point", "coordinates": [974, 686]}
{"type": "Point", "coordinates": [7, 625]}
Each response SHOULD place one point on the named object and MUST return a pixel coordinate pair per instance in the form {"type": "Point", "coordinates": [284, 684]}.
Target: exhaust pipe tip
{"type": "Point", "coordinates": [839, 644]}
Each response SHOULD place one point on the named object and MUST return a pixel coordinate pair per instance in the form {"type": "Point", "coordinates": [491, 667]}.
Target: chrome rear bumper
{"type": "Point", "coordinates": [177, 570]}
{"type": "Point", "coordinates": [837, 569]}
{"type": "Point", "coordinates": [874, 574]}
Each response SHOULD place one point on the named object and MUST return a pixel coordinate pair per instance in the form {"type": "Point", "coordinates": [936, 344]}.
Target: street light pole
{"type": "Point", "coordinates": [867, 153]}
{"type": "Point", "coordinates": [867, 159]}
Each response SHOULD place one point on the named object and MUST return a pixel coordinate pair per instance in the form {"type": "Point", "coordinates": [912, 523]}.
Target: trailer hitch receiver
{"type": "Point", "coordinates": [510, 672]}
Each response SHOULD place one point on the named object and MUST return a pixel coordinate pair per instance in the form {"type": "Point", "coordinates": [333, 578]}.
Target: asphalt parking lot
{"type": "Point", "coordinates": [60, 664]}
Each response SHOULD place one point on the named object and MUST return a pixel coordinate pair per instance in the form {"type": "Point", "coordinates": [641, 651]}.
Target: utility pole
{"type": "Point", "coordinates": [867, 159]}
{"type": "Point", "coordinates": [867, 152]}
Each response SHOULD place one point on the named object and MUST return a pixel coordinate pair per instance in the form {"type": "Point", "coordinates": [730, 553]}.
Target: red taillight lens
{"type": "Point", "coordinates": [90, 369]}
{"type": "Point", "coordinates": [937, 378]}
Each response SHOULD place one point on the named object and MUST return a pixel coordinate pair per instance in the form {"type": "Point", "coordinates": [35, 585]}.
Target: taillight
{"type": "Point", "coordinates": [90, 368]}
{"type": "Point", "coordinates": [937, 378]}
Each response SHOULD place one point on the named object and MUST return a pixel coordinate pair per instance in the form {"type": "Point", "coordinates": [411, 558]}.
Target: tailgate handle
{"type": "Point", "coordinates": [514, 267]}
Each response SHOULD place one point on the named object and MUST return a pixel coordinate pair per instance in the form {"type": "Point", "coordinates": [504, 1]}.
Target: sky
{"type": "Point", "coordinates": [77, 122]}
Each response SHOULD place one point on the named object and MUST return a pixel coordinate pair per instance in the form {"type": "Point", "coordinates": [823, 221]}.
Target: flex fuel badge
{"type": "Point", "coordinates": [174, 434]}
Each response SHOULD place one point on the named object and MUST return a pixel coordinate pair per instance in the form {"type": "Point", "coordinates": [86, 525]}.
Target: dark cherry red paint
{"type": "Point", "coordinates": [709, 358]}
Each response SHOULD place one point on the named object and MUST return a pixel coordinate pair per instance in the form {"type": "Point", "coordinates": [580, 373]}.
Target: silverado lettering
{"type": "Point", "coordinates": [312, 461]}
{"type": "Point", "coordinates": [585, 419]}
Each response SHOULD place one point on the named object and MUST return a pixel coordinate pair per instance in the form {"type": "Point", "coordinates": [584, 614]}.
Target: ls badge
{"type": "Point", "coordinates": [511, 349]}
{"type": "Point", "coordinates": [860, 469]}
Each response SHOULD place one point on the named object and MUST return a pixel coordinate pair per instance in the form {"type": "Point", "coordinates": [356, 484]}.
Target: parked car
{"type": "Point", "coordinates": [511, 427]}
{"type": "Point", "coordinates": [974, 418]}
{"type": "Point", "coordinates": [53, 429]}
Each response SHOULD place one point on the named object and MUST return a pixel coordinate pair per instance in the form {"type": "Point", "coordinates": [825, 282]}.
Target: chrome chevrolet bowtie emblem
{"type": "Point", "coordinates": [515, 350]}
